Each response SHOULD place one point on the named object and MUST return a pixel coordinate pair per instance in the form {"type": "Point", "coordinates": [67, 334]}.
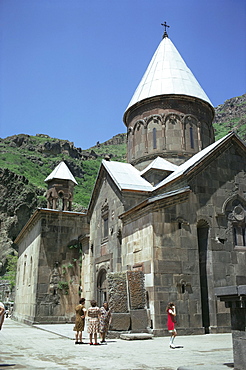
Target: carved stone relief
{"type": "Point", "coordinates": [235, 209]}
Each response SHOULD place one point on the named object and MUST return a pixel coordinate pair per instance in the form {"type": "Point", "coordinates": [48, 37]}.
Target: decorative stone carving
{"type": "Point", "coordinates": [136, 288]}
{"type": "Point", "coordinates": [172, 118]}
{"type": "Point", "coordinates": [239, 213]}
{"type": "Point", "coordinates": [117, 292]}
{"type": "Point", "coordinates": [54, 280]}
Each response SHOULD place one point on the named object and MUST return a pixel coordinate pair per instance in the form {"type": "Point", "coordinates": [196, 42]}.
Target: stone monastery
{"type": "Point", "coordinates": [169, 225]}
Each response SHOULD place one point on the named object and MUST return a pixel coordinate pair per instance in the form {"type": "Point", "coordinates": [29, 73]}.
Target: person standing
{"type": "Point", "coordinates": [2, 312]}
{"type": "Point", "coordinates": [94, 316]}
{"type": "Point", "coordinates": [104, 321]}
{"type": "Point", "coordinates": [79, 321]}
{"type": "Point", "coordinates": [171, 313]}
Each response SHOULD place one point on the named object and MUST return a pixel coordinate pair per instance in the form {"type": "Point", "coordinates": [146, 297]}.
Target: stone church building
{"type": "Point", "coordinates": [168, 225]}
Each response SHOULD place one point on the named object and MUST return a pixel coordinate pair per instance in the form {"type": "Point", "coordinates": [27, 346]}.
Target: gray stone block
{"type": "Point", "coordinates": [120, 321]}
{"type": "Point", "coordinates": [136, 336]}
{"type": "Point", "coordinates": [139, 320]}
{"type": "Point", "coordinates": [242, 289]}
{"type": "Point", "coordinates": [239, 345]}
{"type": "Point", "coordinates": [225, 291]}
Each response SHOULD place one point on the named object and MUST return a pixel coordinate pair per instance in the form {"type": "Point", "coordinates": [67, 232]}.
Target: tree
{"type": "Point", "coordinates": [11, 270]}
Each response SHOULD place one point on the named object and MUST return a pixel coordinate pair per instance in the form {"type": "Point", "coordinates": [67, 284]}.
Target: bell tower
{"type": "Point", "coordinates": [60, 188]}
{"type": "Point", "coordinates": [169, 115]}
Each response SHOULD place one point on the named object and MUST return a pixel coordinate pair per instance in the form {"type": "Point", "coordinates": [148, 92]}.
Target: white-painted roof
{"type": "Point", "coordinates": [167, 74]}
{"type": "Point", "coordinates": [126, 177]}
{"type": "Point", "coordinates": [160, 164]}
{"type": "Point", "coordinates": [193, 161]}
{"type": "Point", "coordinates": [61, 172]}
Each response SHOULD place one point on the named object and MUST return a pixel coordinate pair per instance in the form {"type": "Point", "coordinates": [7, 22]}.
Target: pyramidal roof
{"type": "Point", "coordinates": [61, 172]}
{"type": "Point", "coordinates": [167, 74]}
{"type": "Point", "coordinates": [160, 164]}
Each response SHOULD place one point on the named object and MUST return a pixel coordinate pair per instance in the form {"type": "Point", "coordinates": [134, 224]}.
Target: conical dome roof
{"type": "Point", "coordinates": [167, 74]}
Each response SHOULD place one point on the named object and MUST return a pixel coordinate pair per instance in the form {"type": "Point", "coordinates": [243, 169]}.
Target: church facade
{"type": "Point", "coordinates": [169, 225]}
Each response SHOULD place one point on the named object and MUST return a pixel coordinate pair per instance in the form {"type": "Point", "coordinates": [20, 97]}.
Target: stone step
{"type": "Point", "coordinates": [136, 336]}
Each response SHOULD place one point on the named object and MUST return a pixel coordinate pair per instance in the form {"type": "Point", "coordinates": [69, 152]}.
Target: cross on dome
{"type": "Point", "coordinates": [165, 33]}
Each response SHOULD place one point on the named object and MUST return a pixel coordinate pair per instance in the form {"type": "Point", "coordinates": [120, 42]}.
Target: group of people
{"type": "Point", "coordinates": [99, 321]}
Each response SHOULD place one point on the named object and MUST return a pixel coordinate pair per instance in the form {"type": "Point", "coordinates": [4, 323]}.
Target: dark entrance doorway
{"type": "Point", "coordinates": [102, 287]}
{"type": "Point", "coordinates": [202, 235]}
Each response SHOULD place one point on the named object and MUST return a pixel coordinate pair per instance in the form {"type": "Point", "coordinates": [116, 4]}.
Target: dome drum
{"type": "Point", "coordinates": [173, 127]}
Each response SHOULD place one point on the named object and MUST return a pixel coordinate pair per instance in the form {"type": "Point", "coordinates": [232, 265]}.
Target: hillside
{"type": "Point", "coordinates": [231, 116]}
{"type": "Point", "coordinates": [26, 161]}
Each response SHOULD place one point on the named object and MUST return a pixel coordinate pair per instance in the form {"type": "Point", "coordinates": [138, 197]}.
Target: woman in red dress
{"type": "Point", "coordinates": [171, 313]}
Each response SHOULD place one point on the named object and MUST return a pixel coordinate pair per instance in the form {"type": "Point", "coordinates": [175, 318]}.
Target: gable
{"type": "Point", "coordinates": [201, 159]}
{"type": "Point", "coordinates": [222, 178]}
{"type": "Point", "coordinates": [123, 178]}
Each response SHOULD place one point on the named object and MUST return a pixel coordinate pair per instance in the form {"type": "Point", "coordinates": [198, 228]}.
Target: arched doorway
{"type": "Point", "coordinates": [202, 236]}
{"type": "Point", "coordinates": [102, 287]}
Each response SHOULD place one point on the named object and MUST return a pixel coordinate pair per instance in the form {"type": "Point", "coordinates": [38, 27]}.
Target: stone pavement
{"type": "Point", "coordinates": [52, 347]}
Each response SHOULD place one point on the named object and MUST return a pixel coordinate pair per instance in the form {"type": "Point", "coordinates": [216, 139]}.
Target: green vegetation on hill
{"type": "Point", "coordinates": [82, 192]}
{"type": "Point", "coordinates": [36, 156]}
{"type": "Point", "coordinates": [231, 116]}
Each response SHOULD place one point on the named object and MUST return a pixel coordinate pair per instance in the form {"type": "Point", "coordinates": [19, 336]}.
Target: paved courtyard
{"type": "Point", "coordinates": [52, 347]}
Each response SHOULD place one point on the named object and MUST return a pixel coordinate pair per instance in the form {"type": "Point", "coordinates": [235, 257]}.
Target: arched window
{"type": "Point", "coordinates": [102, 287]}
{"type": "Point", "coordinates": [236, 214]}
{"type": "Point", "coordinates": [60, 201]}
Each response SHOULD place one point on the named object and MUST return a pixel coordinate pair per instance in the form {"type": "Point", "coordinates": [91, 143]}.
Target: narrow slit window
{"type": "Point", "coordinates": [191, 138]}
{"type": "Point", "coordinates": [105, 227]}
{"type": "Point", "coordinates": [154, 138]}
{"type": "Point", "coordinates": [235, 235]}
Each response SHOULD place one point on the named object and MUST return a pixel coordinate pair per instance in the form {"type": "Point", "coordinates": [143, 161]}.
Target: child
{"type": "Point", "coordinates": [171, 313]}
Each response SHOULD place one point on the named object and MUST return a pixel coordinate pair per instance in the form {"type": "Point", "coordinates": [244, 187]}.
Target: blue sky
{"type": "Point", "coordinates": [68, 68]}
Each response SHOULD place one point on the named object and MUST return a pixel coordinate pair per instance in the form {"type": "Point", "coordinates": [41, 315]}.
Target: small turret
{"type": "Point", "coordinates": [60, 188]}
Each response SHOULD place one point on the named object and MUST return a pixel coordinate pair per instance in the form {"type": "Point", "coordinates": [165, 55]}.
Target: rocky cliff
{"type": "Point", "coordinates": [17, 202]}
